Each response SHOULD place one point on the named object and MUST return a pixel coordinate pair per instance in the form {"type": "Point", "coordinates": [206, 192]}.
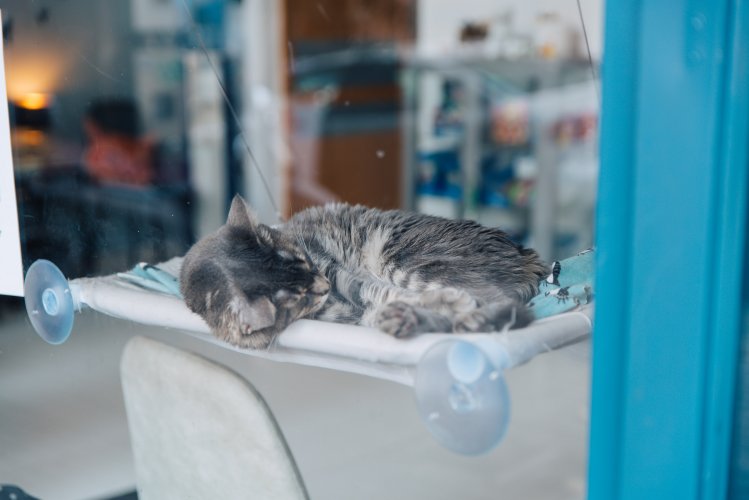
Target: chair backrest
{"type": "Point", "coordinates": [200, 431]}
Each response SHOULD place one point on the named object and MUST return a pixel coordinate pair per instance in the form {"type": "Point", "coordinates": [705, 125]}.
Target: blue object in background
{"type": "Point", "coordinates": [670, 232]}
{"type": "Point", "coordinates": [440, 172]}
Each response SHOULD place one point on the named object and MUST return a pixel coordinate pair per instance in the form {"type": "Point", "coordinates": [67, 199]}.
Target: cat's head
{"type": "Point", "coordinates": [249, 280]}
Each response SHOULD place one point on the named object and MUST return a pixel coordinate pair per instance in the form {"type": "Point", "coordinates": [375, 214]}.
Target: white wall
{"type": "Point", "coordinates": [439, 21]}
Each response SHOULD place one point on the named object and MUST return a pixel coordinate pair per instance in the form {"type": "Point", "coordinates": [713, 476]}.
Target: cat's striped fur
{"type": "Point", "coordinates": [404, 273]}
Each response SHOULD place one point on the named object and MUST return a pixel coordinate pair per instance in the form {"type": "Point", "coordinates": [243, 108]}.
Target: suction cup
{"type": "Point", "coordinates": [462, 397]}
{"type": "Point", "coordinates": [49, 302]}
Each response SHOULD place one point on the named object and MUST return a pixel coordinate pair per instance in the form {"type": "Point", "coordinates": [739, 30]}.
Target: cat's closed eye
{"type": "Point", "coordinates": [293, 258]}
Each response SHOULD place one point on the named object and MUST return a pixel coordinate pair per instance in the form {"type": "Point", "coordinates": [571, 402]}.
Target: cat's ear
{"type": "Point", "coordinates": [261, 314]}
{"type": "Point", "coordinates": [240, 214]}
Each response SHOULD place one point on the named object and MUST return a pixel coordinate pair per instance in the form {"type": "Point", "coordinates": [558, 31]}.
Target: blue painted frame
{"type": "Point", "coordinates": [670, 228]}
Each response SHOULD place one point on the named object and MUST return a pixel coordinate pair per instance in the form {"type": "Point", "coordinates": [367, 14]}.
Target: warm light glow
{"type": "Point", "coordinates": [33, 101]}
{"type": "Point", "coordinates": [29, 138]}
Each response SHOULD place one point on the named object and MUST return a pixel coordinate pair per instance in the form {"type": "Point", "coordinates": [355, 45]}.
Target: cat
{"type": "Point", "coordinates": [404, 273]}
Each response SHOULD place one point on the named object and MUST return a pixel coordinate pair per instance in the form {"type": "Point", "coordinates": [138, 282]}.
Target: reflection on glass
{"type": "Point", "coordinates": [135, 122]}
{"type": "Point", "coordinates": [495, 121]}
{"type": "Point", "coordinates": [116, 153]}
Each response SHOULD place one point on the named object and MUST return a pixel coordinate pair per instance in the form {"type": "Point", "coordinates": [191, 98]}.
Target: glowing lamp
{"type": "Point", "coordinates": [32, 111]}
{"type": "Point", "coordinates": [34, 101]}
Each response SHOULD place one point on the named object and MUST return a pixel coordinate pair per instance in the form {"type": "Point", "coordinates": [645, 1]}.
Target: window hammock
{"type": "Point", "coordinates": [458, 379]}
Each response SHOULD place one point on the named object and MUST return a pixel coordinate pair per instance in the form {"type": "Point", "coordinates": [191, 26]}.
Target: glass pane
{"type": "Point", "coordinates": [133, 125]}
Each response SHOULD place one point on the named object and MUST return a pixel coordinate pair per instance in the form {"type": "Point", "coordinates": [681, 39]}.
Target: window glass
{"type": "Point", "coordinates": [134, 123]}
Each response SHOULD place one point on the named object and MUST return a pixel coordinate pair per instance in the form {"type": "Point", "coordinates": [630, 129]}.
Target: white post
{"type": "Point", "coordinates": [264, 58]}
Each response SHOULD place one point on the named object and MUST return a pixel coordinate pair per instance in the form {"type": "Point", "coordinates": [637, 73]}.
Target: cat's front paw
{"type": "Point", "coordinates": [234, 329]}
{"type": "Point", "coordinates": [245, 323]}
{"type": "Point", "coordinates": [252, 340]}
{"type": "Point", "coordinates": [397, 319]}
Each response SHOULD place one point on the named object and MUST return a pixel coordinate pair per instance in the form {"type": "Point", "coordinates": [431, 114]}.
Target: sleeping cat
{"type": "Point", "coordinates": [401, 272]}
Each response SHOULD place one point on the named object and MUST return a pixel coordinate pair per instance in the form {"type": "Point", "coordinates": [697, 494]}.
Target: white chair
{"type": "Point", "coordinates": [200, 431]}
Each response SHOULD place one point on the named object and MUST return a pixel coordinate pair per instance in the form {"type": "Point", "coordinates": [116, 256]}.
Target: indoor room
{"type": "Point", "coordinates": [371, 249]}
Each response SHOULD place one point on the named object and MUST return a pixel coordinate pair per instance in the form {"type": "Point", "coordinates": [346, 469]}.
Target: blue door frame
{"type": "Point", "coordinates": [670, 232]}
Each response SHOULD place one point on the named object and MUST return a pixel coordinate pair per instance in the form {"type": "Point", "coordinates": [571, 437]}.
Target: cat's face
{"type": "Point", "coordinates": [249, 281]}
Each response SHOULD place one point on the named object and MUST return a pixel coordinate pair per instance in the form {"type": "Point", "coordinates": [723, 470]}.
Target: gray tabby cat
{"type": "Point", "coordinates": [403, 273]}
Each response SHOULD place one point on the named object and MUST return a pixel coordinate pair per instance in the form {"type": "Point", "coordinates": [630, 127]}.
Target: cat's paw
{"type": "Point", "coordinates": [448, 301]}
{"type": "Point", "coordinates": [492, 319]}
{"type": "Point", "coordinates": [397, 319]}
{"type": "Point", "coordinates": [236, 330]}
{"type": "Point", "coordinates": [252, 340]}
{"type": "Point", "coordinates": [245, 323]}
{"type": "Point", "coordinates": [473, 321]}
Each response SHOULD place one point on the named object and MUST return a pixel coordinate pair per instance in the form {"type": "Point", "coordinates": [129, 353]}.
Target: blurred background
{"type": "Point", "coordinates": [134, 122]}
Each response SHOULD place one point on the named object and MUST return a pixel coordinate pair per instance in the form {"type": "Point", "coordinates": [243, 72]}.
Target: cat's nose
{"type": "Point", "coordinates": [321, 286]}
